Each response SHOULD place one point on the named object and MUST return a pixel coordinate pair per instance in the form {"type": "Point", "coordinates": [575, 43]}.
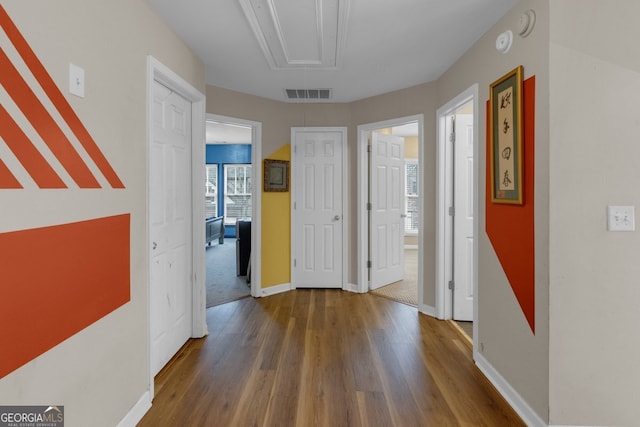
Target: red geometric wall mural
{"type": "Point", "coordinates": [511, 228]}
{"type": "Point", "coordinates": [82, 272]}
{"type": "Point", "coordinates": [42, 120]}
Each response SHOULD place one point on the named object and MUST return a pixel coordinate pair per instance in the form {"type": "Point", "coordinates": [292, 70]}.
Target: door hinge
{"type": "Point", "coordinates": [368, 264]}
{"type": "Point", "coordinates": [452, 285]}
{"type": "Point", "coordinates": [452, 137]}
{"type": "Point", "coordinates": [452, 211]}
{"type": "Point", "coordinates": [368, 206]}
{"type": "Point", "coordinates": [294, 262]}
{"type": "Point", "coordinates": [295, 206]}
{"type": "Point", "coordinates": [368, 148]}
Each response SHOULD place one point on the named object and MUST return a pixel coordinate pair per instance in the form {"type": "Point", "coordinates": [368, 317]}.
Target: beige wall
{"type": "Point", "coordinates": [101, 372]}
{"type": "Point", "coordinates": [504, 336]}
{"type": "Point", "coordinates": [594, 316]}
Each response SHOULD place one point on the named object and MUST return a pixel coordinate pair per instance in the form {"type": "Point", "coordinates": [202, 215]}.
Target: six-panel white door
{"type": "Point", "coordinates": [387, 209]}
{"type": "Point", "coordinates": [170, 227]}
{"type": "Point", "coordinates": [463, 219]}
{"type": "Point", "coordinates": [318, 227]}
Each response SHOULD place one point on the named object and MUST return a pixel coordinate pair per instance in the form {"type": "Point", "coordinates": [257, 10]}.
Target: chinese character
{"type": "Point", "coordinates": [506, 153]}
{"type": "Point", "coordinates": [505, 100]}
{"type": "Point", "coordinates": [505, 126]}
{"type": "Point", "coordinates": [506, 180]}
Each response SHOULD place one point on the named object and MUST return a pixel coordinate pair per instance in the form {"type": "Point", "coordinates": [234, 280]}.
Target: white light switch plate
{"type": "Point", "coordinates": [76, 80]}
{"type": "Point", "coordinates": [621, 218]}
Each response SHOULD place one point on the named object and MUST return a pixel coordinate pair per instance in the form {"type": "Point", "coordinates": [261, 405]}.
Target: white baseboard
{"type": "Point", "coordinates": [137, 412]}
{"type": "Point", "coordinates": [428, 310]}
{"type": "Point", "coordinates": [277, 289]}
{"type": "Point", "coordinates": [522, 408]}
{"type": "Point", "coordinates": [352, 287]}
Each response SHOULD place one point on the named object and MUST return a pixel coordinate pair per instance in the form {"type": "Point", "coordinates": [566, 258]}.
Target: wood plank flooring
{"type": "Point", "coordinates": [325, 358]}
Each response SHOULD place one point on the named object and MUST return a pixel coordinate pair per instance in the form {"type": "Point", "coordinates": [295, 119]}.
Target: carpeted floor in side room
{"type": "Point", "coordinates": [406, 290]}
{"type": "Point", "coordinates": [222, 283]}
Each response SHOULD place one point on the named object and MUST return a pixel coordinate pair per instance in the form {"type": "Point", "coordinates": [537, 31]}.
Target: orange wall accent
{"type": "Point", "coordinates": [511, 227]}
{"type": "Point", "coordinates": [7, 179]}
{"type": "Point", "coordinates": [56, 281]}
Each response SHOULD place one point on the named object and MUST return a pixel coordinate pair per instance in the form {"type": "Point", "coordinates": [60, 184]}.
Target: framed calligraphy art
{"type": "Point", "coordinates": [276, 175]}
{"type": "Point", "coordinates": [506, 138]}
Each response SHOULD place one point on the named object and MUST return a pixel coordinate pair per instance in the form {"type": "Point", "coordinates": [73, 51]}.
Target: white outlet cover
{"type": "Point", "coordinates": [621, 218]}
{"type": "Point", "coordinates": [76, 80]}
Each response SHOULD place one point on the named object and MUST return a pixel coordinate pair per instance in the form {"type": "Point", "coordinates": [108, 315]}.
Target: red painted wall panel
{"type": "Point", "coordinates": [511, 228]}
{"type": "Point", "coordinates": [56, 281]}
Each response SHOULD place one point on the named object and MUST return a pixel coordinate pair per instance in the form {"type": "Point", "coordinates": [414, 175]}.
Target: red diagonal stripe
{"type": "Point", "coordinates": [41, 172]}
{"type": "Point", "coordinates": [58, 99]}
{"type": "Point", "coordinates": [44, 124]}
{"type": "Point", "coordinates": [7, 180]}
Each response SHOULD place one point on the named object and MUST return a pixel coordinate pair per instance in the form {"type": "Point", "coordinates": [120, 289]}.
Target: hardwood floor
{"type": "Point", "coordinates": [325, 358]}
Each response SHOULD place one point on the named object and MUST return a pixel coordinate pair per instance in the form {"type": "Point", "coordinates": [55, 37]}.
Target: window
{"type": "Point", "coordinates": [211, 191]}
{"type": "Point", "coordinates": [237, 196]}
{"type": "Point", "coordinates": [411, 197]}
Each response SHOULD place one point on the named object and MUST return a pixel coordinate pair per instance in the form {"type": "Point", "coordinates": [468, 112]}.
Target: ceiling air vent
{"type": "Point", "coordinates": [308, 94]}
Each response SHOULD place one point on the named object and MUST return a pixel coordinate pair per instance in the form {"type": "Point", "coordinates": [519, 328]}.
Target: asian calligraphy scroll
{"type": "Point", "coordinates": [506, 138]}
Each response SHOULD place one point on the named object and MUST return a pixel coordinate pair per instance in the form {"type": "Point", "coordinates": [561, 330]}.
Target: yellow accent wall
{"type": "Point", "coordinates": [276, 231]}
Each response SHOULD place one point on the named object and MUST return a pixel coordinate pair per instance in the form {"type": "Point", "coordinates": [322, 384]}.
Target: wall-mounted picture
{"type": "Point", "coordinates": [276, 175]}
{"type": "Point", "coordinates": [505, 118]}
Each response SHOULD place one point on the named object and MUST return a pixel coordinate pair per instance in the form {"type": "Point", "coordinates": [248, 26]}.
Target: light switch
{"type": "Point", "coordinates": [76, 80]}
{"type": "Point", "coordinates": [621, 218]}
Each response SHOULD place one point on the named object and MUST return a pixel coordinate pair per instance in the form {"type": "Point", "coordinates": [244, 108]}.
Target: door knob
{"type": "Point", "coordinates": [403, 215]}
{"type": "Point", "coordinates": [336, 218]}
{"type": "Point", "coordinates": [155, 245]}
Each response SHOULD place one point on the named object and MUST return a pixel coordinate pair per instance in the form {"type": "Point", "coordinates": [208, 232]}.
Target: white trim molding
{"type": "Point", "coordinates": [158, 72]}
{"type": "Point", "coordinates": [138, 411]}
{"type": "Point", "coordinates": [276, 289]}
{"type": "Point", "coordinates": [362, 163]}
{"type": "Point", "coordinates": [522, 408]}
{"type": "Point", "coordinates": [344, 131]}
{"type": "Point", "coordinates": [256, 196]}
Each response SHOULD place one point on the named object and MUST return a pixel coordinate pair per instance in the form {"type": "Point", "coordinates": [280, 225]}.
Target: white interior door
{"type": "Point", "coordinates": [170, 226]}
{"type": "Point", "coordinates": [463, 218]}
{"type": "Point", "coordinates": [387, 209]}
{"type": "Point", "coordinates": [318, 226]}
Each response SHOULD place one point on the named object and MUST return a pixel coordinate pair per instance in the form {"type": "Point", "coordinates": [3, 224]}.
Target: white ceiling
{"type": "Point", "coordinates": [355, 48]}
{"type": "Point", "coordinates": [227, 133]}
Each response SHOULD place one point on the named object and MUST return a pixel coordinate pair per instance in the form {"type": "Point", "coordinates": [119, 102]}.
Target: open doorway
{"type": "Point", "coordinates": [390, 209]}
{"type": "Point", "coordinates": [230, 204]}
{"type": "Point", "coordinates": [457, 225]}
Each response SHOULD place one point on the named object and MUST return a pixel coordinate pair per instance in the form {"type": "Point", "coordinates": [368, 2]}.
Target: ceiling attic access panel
{"type": "Point", "coordinates": [299, 34]}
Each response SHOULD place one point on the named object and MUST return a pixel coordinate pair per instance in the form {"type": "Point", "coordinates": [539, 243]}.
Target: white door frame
{"type": "Point", "coordinates": [363, 183]}
{"type": "Point", "coordinates": [444, 190]}
{"type": "Point", "coordinates": [256, 196]}
{"type": "Point", "coordinates": [156, 71]}
{"type": "Point", "coordinates": [345, 200]}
